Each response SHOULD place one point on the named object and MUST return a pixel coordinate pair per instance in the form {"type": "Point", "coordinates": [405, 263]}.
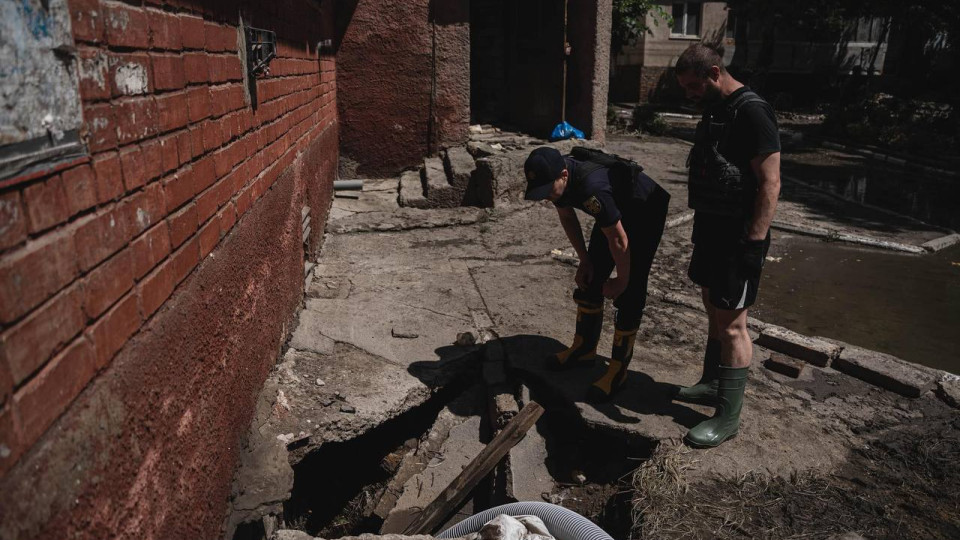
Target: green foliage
{"type": "Point", "coordinates": [646, 119]}
{"type": "Point", "coordinates": [910, 126]}
{"type": "Point", "coordinates": [630, 20]}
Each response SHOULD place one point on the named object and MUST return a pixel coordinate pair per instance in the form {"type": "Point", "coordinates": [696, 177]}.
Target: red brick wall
{"type": "Point", "coordinates": [145, 289]}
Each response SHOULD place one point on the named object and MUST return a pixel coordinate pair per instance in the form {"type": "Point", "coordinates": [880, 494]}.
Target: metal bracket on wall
{"type": "Point", "coordinates": [261, 47]}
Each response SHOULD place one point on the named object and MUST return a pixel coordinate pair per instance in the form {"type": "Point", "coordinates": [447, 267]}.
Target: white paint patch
{"type": "Point", "coordinates": [143, 218]}
{"type": "Point", "coordinates": [131, 79]}
{"type": "Point", "coordinates": [185, 422]}
{"type": "Point", "coordinates": [94, 69]}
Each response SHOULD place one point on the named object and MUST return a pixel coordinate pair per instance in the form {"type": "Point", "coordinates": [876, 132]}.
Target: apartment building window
{"type": "Point", "coordinates": [686, 19]}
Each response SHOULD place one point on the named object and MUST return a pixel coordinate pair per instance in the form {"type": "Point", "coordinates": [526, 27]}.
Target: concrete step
{"type": "Point", "coordinates": [411, 190]}
{"type": "Point", "coordinates": [438, 190]}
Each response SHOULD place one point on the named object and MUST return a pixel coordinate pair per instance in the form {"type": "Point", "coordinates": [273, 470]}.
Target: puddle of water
{"type": "Point", "coordinates": [904, 305]}
{"type": "Point", "coordinates": [928, 198]}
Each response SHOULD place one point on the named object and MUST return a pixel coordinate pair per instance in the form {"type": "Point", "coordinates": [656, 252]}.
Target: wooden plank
{"type": "Point", "coordinates": [454, 494]}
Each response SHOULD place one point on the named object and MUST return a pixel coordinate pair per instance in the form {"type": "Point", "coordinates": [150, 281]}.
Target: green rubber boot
{"type": "Point", "coordinates": [725, 423]}
{"type": "Point", "coordinates": [705, 390]}
{"type": "Point", "coordinates": [605, 387]}
{"type": "Point", "coordinates": [583, 352]}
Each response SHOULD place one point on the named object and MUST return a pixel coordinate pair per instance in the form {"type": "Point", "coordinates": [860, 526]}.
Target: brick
{"type": "Point", "coordinates": [207, 202]}
{"type": "Point", "coordinates": [149, 249]}
{"type": "Point", "coordinates": [164, 30]}
{"type": "Point", "coordinates": [86, 20]}
{"type": "Point", "coordinates": [94, 74]}
{"type": "Point", "coordinates": [812, 350]}
{"type": "Point", "coordinates": [46, 397]}
{"type": "Point", "coordinates": [152, 159]}
{"type": "Point", "coordinates": [198, 103]}
{"type": "Point", "coordinates": [192, 32]}
{"type": "Point", "coordinates": [106, 283]}
{"type": "Point", "coordinates": [126, 26]}
{"type": "Point", "coordinates": [209, 236]}
{"type": "Point", "coordinates": [155, 288]}
{"type": "Point", "coordinates": [13, 221]}
{"type": "Point", "coordinates": [227, 217]}
{"type": "Point", "coordinates": [167, 71]}
{"type": "Point", "coordinates": [130, 74]}
{"type": "Point", "coordinates": [100, 235]}
{"type": "Point", "coordinates": [185, 260]}
{"type": "Point", "coordinates": [112, 331]}
{"type": "Point", "coordinates": [196, 140]}
{"type": "Point", "coordinates": [784, 365]}
{"type": "Point", "coordinates": [211, 135]}
{"type": "Point", "coordinates": [109, 176]}
{"type": "Point", "coordinates": [886, 371]}
{"type": "Point", "coordinates": [46, 204]}
{"type": "Point", "coordinates": [145, 208]}
{"type": "Point", "coordinates": [169, 154]}
{"type": "Point", "coordinates": [223, 68]}
{"type": "Point", "coordinates": [179, 188]}
{"type": "Point", "coordinates": [205, 173]}
{"type": "Point", "coordinates": [227, 99]}
{"type": "Point", "coordinates": [80, 188]}
{"type": "Point", "coordinates": [34, 272]}
{"type": "Point", "coordinates": [29, 344]}
{"type": "Point", "coordinates": [136, 119]}
{"type": "Point", "coordinates": [182, 225]}
{"type": "Point", "coordinates": [134, 173]}
{"type": "Point", "coordinates": [220, 38]}
{"type": "Point", "coordinates": [185, 146]}
{"type": "Point", "coordinates": [172, 111]}
{"type": "Point", "coordinates": [195, 68]}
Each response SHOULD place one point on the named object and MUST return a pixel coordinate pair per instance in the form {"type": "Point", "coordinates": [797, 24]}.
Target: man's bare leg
{"type": "Point", "coordinates": [736, 352]}
{"type": "Point", "coordinates": [704, 391]}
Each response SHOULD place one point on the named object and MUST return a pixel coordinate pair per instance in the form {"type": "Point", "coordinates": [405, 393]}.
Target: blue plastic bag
{"type": "Point", "coordinates": [565, 131]}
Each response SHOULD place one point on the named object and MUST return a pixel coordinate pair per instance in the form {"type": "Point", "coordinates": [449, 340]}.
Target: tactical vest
{"type": "Point", "coordinates": [625, 174]}
{"type": "Point", "coordinates": [715, 185]}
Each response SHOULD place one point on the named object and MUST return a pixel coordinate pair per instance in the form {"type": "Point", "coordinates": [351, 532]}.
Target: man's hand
{"type": "Point", "coordinates": [584, 274]}
{"type": "Point", "coordinates": [614, 287]}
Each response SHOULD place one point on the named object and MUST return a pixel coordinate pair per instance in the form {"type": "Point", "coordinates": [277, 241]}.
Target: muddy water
{"type": "Point", "coordinates": [904, 305]}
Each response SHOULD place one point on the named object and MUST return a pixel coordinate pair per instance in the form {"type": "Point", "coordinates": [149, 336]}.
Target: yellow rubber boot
{"type": "Point", "coordinates": [583, 352]}
{"type": "Point", "coordinates": [605, 387]}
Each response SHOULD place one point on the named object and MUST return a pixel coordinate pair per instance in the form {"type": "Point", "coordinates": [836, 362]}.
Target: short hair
{"type": "Point", "coordinates": [699, 58]}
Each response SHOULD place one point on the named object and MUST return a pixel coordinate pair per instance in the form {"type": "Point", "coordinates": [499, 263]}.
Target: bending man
{"type": "Point", "coordinates": [630, 210]}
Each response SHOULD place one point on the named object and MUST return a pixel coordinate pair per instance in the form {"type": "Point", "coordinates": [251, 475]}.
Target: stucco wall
{"type": "Point", "coordinates": [662, 50]}
{"type": "Point", "coordinates": [404, 76]}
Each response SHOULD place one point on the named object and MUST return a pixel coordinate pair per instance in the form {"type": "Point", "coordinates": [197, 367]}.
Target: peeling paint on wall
{"type": "Point", "coordinates": [38, 75]}
{"type": "Point", "coordinates": [132, 79]}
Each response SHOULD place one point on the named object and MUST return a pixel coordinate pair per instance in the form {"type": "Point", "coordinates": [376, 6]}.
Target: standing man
{"type": "Point", "coordinates": [733, 186]}
{"type": "Point", "coordinates": [630, 210]}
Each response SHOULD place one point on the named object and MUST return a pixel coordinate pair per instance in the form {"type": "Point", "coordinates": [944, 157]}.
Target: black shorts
{"type": "Point", "coordinates": [715, 265]}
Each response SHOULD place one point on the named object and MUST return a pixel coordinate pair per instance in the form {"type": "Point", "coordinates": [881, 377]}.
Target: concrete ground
{"type": "Point", "coordinates": [394, 287]}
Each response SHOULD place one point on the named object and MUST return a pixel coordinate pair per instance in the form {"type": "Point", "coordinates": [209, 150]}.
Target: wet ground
{"type": "Point", "coordinates": [904, 305]}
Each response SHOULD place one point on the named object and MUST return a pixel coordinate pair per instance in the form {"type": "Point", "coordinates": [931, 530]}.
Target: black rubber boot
{"type": "Point", "coordinates": [705, 390]}
{"type": "Point", "coordinates": [583, 352]}
{"type": "Point", "coordinates": [725, 423]}
{"type": "Point", "coordinates": [605, 387]}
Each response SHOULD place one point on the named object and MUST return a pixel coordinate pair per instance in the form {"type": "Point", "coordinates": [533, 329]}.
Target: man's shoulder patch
{"type": "Point", "coordinates": [592, 205]}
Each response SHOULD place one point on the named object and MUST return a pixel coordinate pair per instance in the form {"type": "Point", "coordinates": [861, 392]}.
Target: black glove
{"type": "Point", "coordinates": [751, 258]}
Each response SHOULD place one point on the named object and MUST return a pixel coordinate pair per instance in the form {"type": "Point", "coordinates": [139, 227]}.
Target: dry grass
{"type": "Point", "coordinates": [753, 505]}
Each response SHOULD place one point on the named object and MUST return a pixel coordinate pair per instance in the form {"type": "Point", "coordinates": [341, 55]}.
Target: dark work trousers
{"type": "Point", "coordinates": [643, 223]}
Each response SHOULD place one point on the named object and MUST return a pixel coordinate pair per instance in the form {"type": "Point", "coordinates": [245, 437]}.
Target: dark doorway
{"type": "Point", "coordinates": [516, 60]}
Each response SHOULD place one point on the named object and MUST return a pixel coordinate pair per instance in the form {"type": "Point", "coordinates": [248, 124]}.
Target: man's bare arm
{"type": "Point", "coordinates": [571, 226]}
{"type": "Point", "coordinates": [766, 167]}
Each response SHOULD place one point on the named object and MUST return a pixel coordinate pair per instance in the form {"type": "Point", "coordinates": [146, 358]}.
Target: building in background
{"type": "Point", "coordinates": [792, 59]}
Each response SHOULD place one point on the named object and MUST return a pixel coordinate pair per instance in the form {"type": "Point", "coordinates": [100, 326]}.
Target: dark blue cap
{"type": "Point", "coordinates": [542, 168]}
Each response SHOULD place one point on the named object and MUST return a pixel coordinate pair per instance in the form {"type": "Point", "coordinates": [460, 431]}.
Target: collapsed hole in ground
{"type": "Point", "coordinates": [337, 487]}
{"type": "Point", "coordinates": [592, 467]}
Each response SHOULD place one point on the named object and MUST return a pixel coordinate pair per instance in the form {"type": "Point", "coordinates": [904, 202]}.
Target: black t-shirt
{"type": "Point", "coordinates": [754, 132]}
{"type": "Point", "coordinates": [595, 195]}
